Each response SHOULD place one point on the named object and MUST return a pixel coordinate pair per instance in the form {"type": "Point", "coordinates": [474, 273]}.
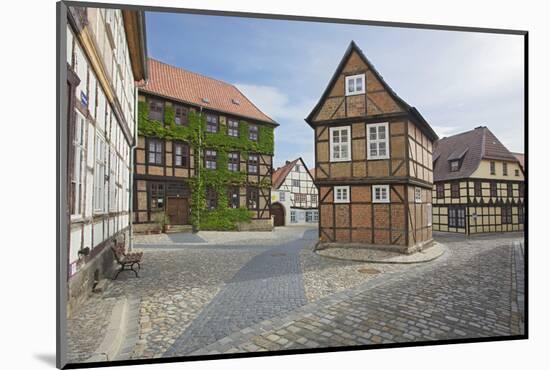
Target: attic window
{"type": "Point", "coordinates": [206, 100]}
{"type": "Point", "coordinates": [455, 165]}
{"type": "Point", "coordinates": [236, 101]}
{"type": "Point", "coordinates": [355, 84]}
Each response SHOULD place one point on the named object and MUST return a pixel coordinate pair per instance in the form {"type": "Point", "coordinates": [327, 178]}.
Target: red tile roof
{"type": "Point", "coordinates": [189, 87]}
{"type": "Point", "coordinates": [470, 147]}
{"type": "Point", "coordinates": [279, 175]}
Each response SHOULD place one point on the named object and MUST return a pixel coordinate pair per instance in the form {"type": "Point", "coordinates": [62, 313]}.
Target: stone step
{"type": "Point", "coordinates": [179, 229]}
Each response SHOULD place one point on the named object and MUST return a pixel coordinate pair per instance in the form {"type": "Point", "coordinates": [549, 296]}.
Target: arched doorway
{"type": "Point", "coordinates": [278, 212]}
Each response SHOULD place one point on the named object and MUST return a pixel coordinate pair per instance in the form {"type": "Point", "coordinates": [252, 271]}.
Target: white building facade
{"type": "Point", "coordinates": [105, 59]}
{"type": "Point", "coordinates": [294, 197]}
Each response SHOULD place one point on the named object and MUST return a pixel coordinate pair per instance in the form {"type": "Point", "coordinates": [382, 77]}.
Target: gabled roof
{"type": "Point", "coordinates": [280, 174]}
{"type": "Point", "coordinates": [470, 147]}
{"type": "Point", "coordinates": [422, 123]}
{"type": "Point", "coordinates": [193, 88]}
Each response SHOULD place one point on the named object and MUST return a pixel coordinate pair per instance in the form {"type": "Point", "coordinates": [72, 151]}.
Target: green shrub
{"type": "Point", "coordinates": [224, 219]}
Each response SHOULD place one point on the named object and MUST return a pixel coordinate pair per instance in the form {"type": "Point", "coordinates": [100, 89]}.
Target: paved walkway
{"type": "Point", "coordinates": [270, 284]}
{"type": "Point", "coordinates": [467, 293]}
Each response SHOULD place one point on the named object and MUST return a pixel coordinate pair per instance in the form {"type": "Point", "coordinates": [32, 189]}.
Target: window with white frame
{"type": "Point", "coordinates": [99, 175]}
{"type": "Point", "coordinates": [341, 194]}
{"type": "Point", "coordinates": [417, 195]}
{"type": "Point", "coordinates": [112, 180]}
{"type": "Point", "coordinates": [377, 140]}
{"type": "Point", "coordinates": [293, 217]}
{"type": "Point", "coordinates": [380, 193]}
{"type": "Point", "coordinates": [295, 183]}
{"type": "Point", "coordinates": [340, 144]}
{"type": "Point", "coordinates": [77, 173]}
{"type": "Point", "coordinates": [315, 216]}
{"type": "Point", "coordinates": [281, 196]}
{"type": "Point", "coordinates": [355, 84]}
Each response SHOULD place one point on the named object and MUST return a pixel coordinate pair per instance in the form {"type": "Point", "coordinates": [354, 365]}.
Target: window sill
{"type": "Point", "coordinates": [340, 159]}
{"type": "Point", "coordinates": [355, 93]}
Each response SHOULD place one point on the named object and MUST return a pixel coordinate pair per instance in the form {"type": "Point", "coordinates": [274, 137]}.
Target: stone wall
{"type": "Point", "coordinates": [256, 225]}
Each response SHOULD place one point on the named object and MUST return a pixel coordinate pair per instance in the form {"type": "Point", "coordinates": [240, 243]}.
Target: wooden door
{"type": "Point", "coordinates": [178, 211]}
{"type": "Point", "coordinates": [278, 213]}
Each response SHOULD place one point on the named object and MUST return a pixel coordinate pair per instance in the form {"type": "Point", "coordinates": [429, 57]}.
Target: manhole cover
{"type": "Point", "coordinates": [369, 271]}
{"type": "Point", "coordinates": [278, 254]}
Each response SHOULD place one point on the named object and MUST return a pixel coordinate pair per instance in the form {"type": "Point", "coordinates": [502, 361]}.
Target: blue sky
{"type": "Point", "coordinates": [457, 80]}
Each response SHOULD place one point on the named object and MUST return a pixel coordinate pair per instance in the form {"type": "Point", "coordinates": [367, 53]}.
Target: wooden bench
{"type": "Point", "coordinates": [126, 260]}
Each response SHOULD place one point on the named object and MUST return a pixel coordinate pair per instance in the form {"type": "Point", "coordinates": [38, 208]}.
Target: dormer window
{"type": "Point", "coordinates": [355, 84]}
{"type": "Point", "coordinates": [455, 165]}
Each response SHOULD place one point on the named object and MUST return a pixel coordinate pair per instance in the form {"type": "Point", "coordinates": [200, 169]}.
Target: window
{"type": "Point", "coordinates": [252, 198]}
{"type": "Point", "coordinates": [253, 132]}
{"type": "Point", "coordinates": [113, 189]}
{"type": "Point", "coordinates": [181, 154]}
{"type": "Point", "coordinates": [156, 110]}
{"type": "Point", "coordinates": [233, 161]}
{"type": "Point", "coordinates": [477, 189]}
{"type": "Point", "coordinates": [156, 196]}
{"type": "Point", "coordinates": [455, 190]}
{"type": "Point", "coordinates": [297, 168]}
{"type": "Point", "coordinates": [234, 197]}
{"type": "Point", "coordinates": [232, 127]}
{"type": "Point", "coordinates": [341, 194]}
{"type": "Point", "coordinates": [516, 172]}
{"type": "Point", "coordinates": [429, 214]}
{"type": "Point", "coordinates": [253, 164]}
{"type": "Point", "coordinates": [282, 196]}
{"type": "Point", "coordinates": [210, 157]}
{"type": "Point", "coordinates": [509, 191]}
{"type": "Point", "coordinates": [521, 189]}
{"type": "Point", "coordinates": [180, 115]}
{"type": "Point", "coordinates": [211, 123]}
{"type": "Point", "coordinates": [99, 175]}
{"type": "Point", "coordinates": [155, 151]}
{"type": "Point", "coordinates": [493, 189]}
{"type": "Point", "coordinates": [293, 217]}
{"type": "Point", "coordinates": [309, 216]}
{"type": "Point", "coordinates": [457, 217]}
{"type": "Point", "coordinates": [380, 193]}
{"type": "Point", "coordinates": [417, 195]}
{"type": "Point", "coordinates": [439, 191]}
{"type": "Point", "coordinates": [505, 169]}
{"type": "Point", "coordinates": [377, 141]}
{"type": "Point", "coordinates": [454, 165]}
{"type": "Point", "coordinates": [506, 214]}
{"type": "Point", "coordinates": [300, 198]}
{"type": "Point", "coordinates": [211, 199]}
{"type": "Point", "coordinates": [355, 84]}
{"type": "Point", "coordinates": [79, 160]}
{"type": "Point", "coordinates": [315, 216]}
{"type": "Point", "coordinates": [295, 183]}
{"type": "Point", "coordinates": [340, 144]}
{"type": "Point", "coordinates": [493, 169]}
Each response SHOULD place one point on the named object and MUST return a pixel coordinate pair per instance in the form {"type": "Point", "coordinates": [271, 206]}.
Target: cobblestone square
{"type": "Point", "coordinates": [271, 291]}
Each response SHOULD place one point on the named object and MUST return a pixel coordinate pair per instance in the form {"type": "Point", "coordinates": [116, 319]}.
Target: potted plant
{"type": "Point", "coordinates": [162, 220]}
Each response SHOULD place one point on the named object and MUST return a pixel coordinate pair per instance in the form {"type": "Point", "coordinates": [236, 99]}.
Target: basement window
{"type": "Point", "coordinates": [341, 194]}
{"type": "Point", "coordinates": [380, 193]}
{"type": "Point", "coordinates": [355, 85]}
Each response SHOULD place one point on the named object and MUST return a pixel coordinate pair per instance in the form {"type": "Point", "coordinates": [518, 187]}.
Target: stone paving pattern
{"type": "Point", "coordinates": [268, 291]}
{"type": "Point", "coordinates": [467, 293]}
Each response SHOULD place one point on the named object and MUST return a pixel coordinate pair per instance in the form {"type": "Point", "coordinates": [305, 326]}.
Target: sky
{"type": "Point", "coordinates": [457, 80]}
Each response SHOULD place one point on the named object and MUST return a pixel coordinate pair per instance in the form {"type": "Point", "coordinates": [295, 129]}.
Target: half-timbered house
{"type": "Point", "coordinates": [232, 153]}
{"type": "Point", "coordinates": [373, 161]}
{"type": "Point", "coordinates": [478, 185]}
{"type": "Point", "coordinates": [106, 58]}
{"type": "Point", "coordinates": [294, 197]}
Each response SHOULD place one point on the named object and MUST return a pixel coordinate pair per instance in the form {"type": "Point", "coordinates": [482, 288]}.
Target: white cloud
{"type": "Point", "coordinates": [445, 131]}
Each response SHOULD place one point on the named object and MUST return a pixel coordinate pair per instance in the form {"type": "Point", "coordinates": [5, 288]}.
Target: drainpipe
{"type": "Point", "coordinates": [131, 192]}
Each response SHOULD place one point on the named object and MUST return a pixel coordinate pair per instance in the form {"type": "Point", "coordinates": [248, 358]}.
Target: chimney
{"type": "Point", "coordinates": [287, 162]}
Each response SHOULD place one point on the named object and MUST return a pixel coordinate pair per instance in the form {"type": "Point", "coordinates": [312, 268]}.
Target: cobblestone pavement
{"type": "Point", "coordinates": [270, 284]}
{"type": "Point", "coordinates": [470, 292]}
{"type": "Point", "coordinates": [86, 328]}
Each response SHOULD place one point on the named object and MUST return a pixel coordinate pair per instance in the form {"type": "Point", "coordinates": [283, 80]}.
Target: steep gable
{"type": "Point", "coordinates": [378, 100]}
